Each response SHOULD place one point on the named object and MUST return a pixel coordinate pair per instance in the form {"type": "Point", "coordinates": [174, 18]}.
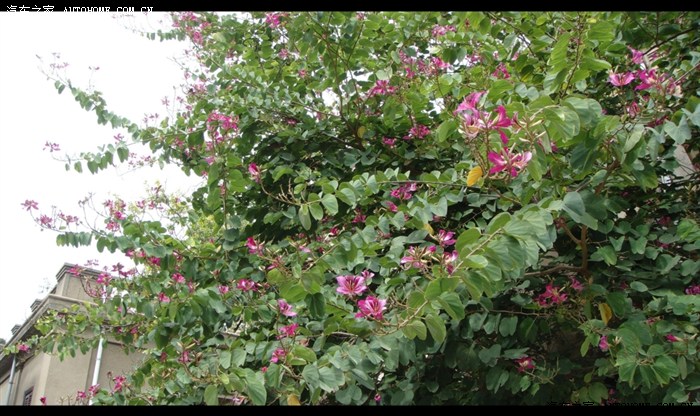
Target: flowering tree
{"type": "Point", "coordinates": [411, 208]}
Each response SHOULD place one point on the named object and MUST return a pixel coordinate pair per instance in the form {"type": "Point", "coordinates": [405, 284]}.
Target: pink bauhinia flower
{"type": "Point", "coordinates": [637, 56]}
{"type": "Point", "coordinates": [30, 204]}
{"type": "Point", "coordinates": [254, 172]}
{"type": "Point", "coordinates": [278, 355]}
{"type": "Point", "coordinates": [648, 79]}
{"type": "Point", "coordinates": [575, 284]}
{"type": "Point", "coordinates": [288, 331]}
{"type": "Point", "coordinates": [285, 308]}
{"type": "Point", "coordinates": [223, 289]}
{"type": "Point", "coordinates": [254, 247]}
{"type": "Point", "coordinates": [245, 285]}
{"type": "Point", "coordinates": [162, 297]}
{"type": "Point", "coordinates": [118, 383]}
{"type": "Point", "coordinates": [620, 79]}
{"type": "Point", "coordinates": [381, 87]}
{"type": "Point", "coordinates": [672, 338]}
{"type": "Point", "coordinates": [693, 290]}
{"type": "Point", "coordinates": [389, 142]}
{"type": "Point", "coordinates": [525, 363]}
{"type": "Point", "coordinates": [178, 278]}
{"type": "Point", "coordinates": [470, 102]}
{"type": "Point", "coordinates": [508, 161]}
{"type": "Point", "coordinates": [23, 348]}
{"type": "Point", "coordinates": [351, 285]}
{"type": "Point", "coordinates": [603, 344]}
{"type": "Point", "coordinates": [445, 238]}
{"type": "Point", "coordinates": [371, 307]}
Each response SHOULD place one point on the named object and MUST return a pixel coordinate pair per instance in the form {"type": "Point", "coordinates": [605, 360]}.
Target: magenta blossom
{"type": "Point", "coordinates": [178, 278]}
{"type": "Point", "coordinates": [381, 87]}
{"type": "Point", "coordinates": [693, 290]}
{"type": "Point", "coordinates": [273, 19]}
{"type": "Point", "coordinates": [637, 56]}
{"type": "Point", "coordinates": [351, 285]}
{"type": "Point", "coordinates": [253, 246]}
{"type": "Point", "coordinates": [42, 399]}
{"type": "Point", "coordinates": [389, 142]}
{"type": "Point", "coordinates": [94, 389]}
{"type": "Point", "coordinates": [223, 289]}
{"type": "Point", "coordinates": [508, 161]}
{"type": "Point", "coordinates": [647, 78]}
{"type": "Point", "coordinates": [417, 257]}
{"type": "Point", "coordinates": [119, 383]}
{"type": "Point", "coordinates": [603, 344]}
{"type": "Point", "coordinates": [285, 308]}
{"type": "Point", "coordinates": [672, 338]}
{"type": "Point", "coordinates": [254, 172]}
{"type": "Point", "coordinates": [445, 238]}
{"type": "Point", "coordinates": [392, 206]}
{"type": "Point", "coordinates": [162, 297]}
{"type": "Point", "coordinates": [30, 205]}
{"type": "Point", "coordinates": [620, 80]}
{"type": "Point", "coordinates": [576, 285]}
{"type": "Point", "coordinates": [23, 348]}
{"type": "Point", "coordinates": [469, 102]}
{"type": "Point", "coordinates": [245, 285]}
{"type": "Point", "coordinates": [417, 132]}
{"type": "Point", "coordinates": [551, 296]}
{"type": "Point", "coordinates": [442, 30]}
{"type": "Point", "coordinates": [405, 191]}
{"type": "Point", "coordinates": [525, 363]}
{"type": "Point", "coordinates": [278, 355]}
{"type": "Point", "coordinates": [449, 259]}
{"type": "Point", "coordinates": [371, 307]}
{"type": "Point", "coordinates": [288, 331]}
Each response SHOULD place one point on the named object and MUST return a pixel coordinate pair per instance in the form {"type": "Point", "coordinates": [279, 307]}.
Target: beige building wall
{"type": "Point", "coordinates": [66, 377]}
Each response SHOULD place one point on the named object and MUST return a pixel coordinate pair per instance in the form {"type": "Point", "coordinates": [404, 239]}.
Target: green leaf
{"type": "Point", "coordinates": [414, 329]}
{"type": "Point", "coordinates": [508, 326]}
{"type": "Point", "coordinates": [330, 203]}
{"type": "Point", "coordinates": [562, 124]}
{"type": "Point", "coordinates": [255, 387]}
{"type": "Point", "coordinates": [679, 133]}
{"type": "Point", "coordinates": [467, 238]}
{"type": "Point", "coordinates": [347, 195]}
{"type": "Point", "coordinates": [498, 222]}
{"type": "Point", "coordinates": [475, 261]}
{"type": "Point", "coordinates": [436, 326]}
{"type": "Point", "coordinates": [316, 210]}
{"type": "Point", "coordinates": [211, 395]}
{"type": "Point", "coordinates": [607, 254]}
{"type": "Point", "coordinates": [639, 286]}
{"type": "Point", "coordinates": [451, 303]}
{"type": "Point", "coordinates": [446, 129]}
{"type": "Point", "coordinates": [304, 217]}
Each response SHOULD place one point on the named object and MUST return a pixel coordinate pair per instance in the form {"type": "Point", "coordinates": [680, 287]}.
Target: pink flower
{"type": "Point", "coordinates": [633, 109]}
{"type": "Point", "coordinates": [377, 397]}
{"type": "Point", "coordinates": [245, 285]}
{"type": "Point", "coordinates": [405, 191]}
{"type": "Point", "coordinates": [416, 257]}
{"type": "Point", "coordinates": [53, 147]}
{"type": "Point", "coordinates": [389, 141]}
{"type": "Point", "coordinates": [359, 217]}
{"type": "Point", "coordinates": [23, 348]}
{"type": "Point", "coordinates": [647, 78]}
{"type": "Point", "coordinates": [442, 30]}
{"type": "Point", "coordinates": [525, 363]}
{"type": "Point", "coordinates": [603, 344]}
{"type": "Point", "coordinates": [184, 357]}
{"type": "Point", "coordinates": [470, 102]}
{"type": "Point", "coordinates": [273, 19]}
{"type": "Point", "coordinates": [285, 308]}
{"type": "Point", "coordinates": [351, 285]}
{"type": "Point", "coordinates": [620, 80]}
{"type": "Point", "coordinates": [162, 297]}
{"type": "Point", "coordinates": [254, 172]}
{"type": "Point", "coordinates": [223, 289]}
{"type": "Point", "coordinates": [254, 247]}
{"type": "Point", "coordinates": [80, 395]}
{"type": "Point", "coordinates": [288, 331]}
{"type": "Point", "coordinates": [672, 338]}
{"type": "Point", "coordinates": [94, 389]}
{"type": "Point", "coordinates": [448, 259]}
{"type": "Point", "coordinates": [505, 160]}
{"type": "Point", "coordinates": [417, 132]}
{"type": "Point", "coordinates": [637, 56]}
{"type": "Point", "coordinates": [278, 355]}
{"type": "Point", "coordinates": [302, 73]}
{"type": "Point", "coordinates": [371, 307]}
{"type": "Point", "coordinates": [283, 54]}
{"type": "Point", "coordinates": [392, 206]}
{"type": "Point", "coordinates": [42, 399]}
{"type": "Point", "coordinates": [576, 285]}
{"type": "Point", "coordinates": [30, 205]}
{"type": "Point", "coordinates": [119, 383]}
{"type": "Point", "coordinates": [552, 295]}
{"type": "Point", "coordinates": [438, 64]}
{"type": "Point", "coordinates": [693, 290]}
{"type": "Point", "coordinates": [444, 238]}
{"type": "Point", "coordinates": [501, 71]}
{"type": "Point", "coordinates": [178, 278]}
{"type": "Point", "coordinates": [381, 87]}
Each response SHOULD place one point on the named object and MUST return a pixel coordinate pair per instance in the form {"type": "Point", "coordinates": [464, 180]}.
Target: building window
{"type": "Point", "coordinates": [28, 397]}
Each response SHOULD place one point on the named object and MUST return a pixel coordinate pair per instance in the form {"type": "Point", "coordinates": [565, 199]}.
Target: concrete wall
{"type": "Point", "coordinates": [30, 374]}
{"type": "Point", "coordinates": [65, 378]}
{"type": "Point", "coordinates": [114, 359]}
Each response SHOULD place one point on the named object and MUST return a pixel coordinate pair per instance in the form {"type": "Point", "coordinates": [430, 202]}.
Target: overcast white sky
{"type": "Point", "coordinates": [135, 73]}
